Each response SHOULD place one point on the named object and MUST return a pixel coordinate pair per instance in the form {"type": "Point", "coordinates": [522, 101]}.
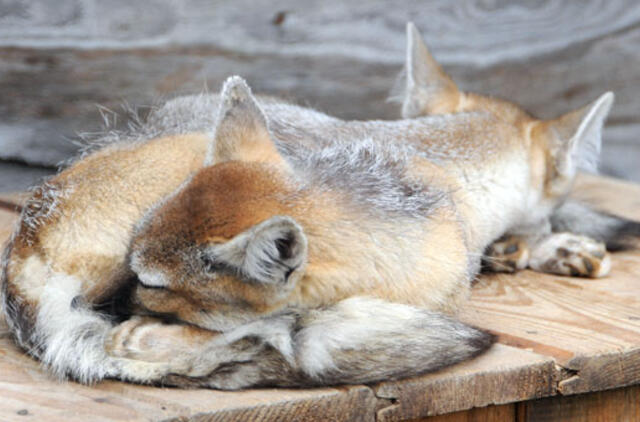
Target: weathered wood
{"type": "Point", "coordinates": [503, 413]}
{"type": "Point", "coordinates": [7, 220]}
{"type": "Point", "coordinates": [27, 390]}
{"type": "Point", "coordinates": [502, 375]}
{"type": "Point", "coordinates": [13, 201]}
{"type": "Point", "coordinates": [20, 177]}
{"type": "Point", "coordinates": [59, 59]}
{"type": "Point", "coordinates": [591, 327]}
{"type": "Point", "coordinates": [606, 406]}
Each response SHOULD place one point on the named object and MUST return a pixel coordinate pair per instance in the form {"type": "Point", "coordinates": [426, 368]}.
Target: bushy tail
{"type": "Point", "coordinates": [68, 338]}
{"type": "Point", "coordinates": [358, 340]}
{"type": "Point", "coordinates": [362, 340]}
{"type": "Point", "coordinates": [617, 233]}
{"type": "Point", "coordinates": [57, 328]}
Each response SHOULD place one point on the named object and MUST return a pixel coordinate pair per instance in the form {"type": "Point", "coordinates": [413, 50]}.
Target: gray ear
{"type": "Point", "coordinates": [428, 88]}
{"type": "Point", "coordinates": [269, 252]}
{"type": "Point", "coordinates": [578, 136]}
{"type": "Point", "coordinates": [241, 131]}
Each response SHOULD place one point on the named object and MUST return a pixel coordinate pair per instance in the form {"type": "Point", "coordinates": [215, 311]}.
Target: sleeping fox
{"type": "Point", "coordinates": [300, 249]}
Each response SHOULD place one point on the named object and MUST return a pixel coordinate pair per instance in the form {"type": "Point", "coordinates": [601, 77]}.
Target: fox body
{"type": "Point", "coordinates": [302, 249]}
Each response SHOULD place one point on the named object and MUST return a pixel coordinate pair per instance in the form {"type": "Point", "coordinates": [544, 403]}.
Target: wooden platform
{"type": "Point", "coordinates": [562, 339]}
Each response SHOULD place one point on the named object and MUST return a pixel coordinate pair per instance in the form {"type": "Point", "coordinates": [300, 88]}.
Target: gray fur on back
{"type": "Point", "coordinates": [375, 177]}
{"type": "Point", "coordinates": [367, 159]}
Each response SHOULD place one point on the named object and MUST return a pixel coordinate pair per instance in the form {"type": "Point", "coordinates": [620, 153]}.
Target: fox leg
{"type": "Point", "coordinates": [556, 253]}
{"type": "Point", "coordinates": [356, 340]}
{"type": "Point", "coordinates": [255, 354]}
{"type": "Point", "coordinates": [149, 339]}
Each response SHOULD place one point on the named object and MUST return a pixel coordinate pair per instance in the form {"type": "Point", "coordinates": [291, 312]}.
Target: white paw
{"type": "Point", "coordinates": [571, 255]}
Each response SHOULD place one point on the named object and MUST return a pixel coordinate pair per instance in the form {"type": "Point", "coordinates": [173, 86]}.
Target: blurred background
{"type": "Point", "coordinates": [62, 61]}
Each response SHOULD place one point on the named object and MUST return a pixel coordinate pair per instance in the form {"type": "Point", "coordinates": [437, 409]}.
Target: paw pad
{"type": "Point", "coordinates": [507, 255]}
{"type": "Point", "coordinates": [571, 255]}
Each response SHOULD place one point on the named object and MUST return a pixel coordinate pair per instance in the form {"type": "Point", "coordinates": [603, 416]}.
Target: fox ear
{"type": "Point", "coordinates": [241, 131]}
{"type": "Point", "coordinates": [277, 247]}
{"type": "Point", "coordinates": [429, 90]}
{"type": "Point", "coordinates": [576, 137]}
{"type": "Point", "coordinates": [269, 252]}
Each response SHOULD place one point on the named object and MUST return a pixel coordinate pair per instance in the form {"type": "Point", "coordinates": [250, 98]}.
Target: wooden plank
{"type": "Point", "coordinates": [27, 390]}
{"type": "Point", "coordinates": [590, 327]}
{"type": "Point", "coordinates": [20, 177]}
{"type": "Point", "coordinates": [585, 326]}
{"type": "Point", "coordinates": [502, 375]}
{"type": "Point", "coordinates": [13, 201]}
{"type": "Point", "coordinates": [7, 222]}
{"type": "Point", "coordinates": [606, 406]}
{"type": "Point", "coordinates": [59, 61]}
{"type": "Point", "coordinates": [503, 413]}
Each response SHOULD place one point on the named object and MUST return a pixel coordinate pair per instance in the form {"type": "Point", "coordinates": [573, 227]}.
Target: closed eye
{"type": "Point", "coordinates": [211, 265]}
{"type": "Point", "coordinates": [152, 280]}
{"type": "Point", "coordinates": [149, 286]}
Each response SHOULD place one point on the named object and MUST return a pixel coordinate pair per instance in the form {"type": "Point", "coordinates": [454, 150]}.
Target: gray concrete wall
{"type": "Point", "coordinates": [60, 58]}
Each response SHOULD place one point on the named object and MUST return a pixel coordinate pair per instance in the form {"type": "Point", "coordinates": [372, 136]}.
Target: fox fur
{"type": "Point", "coordinates": [300, 248]}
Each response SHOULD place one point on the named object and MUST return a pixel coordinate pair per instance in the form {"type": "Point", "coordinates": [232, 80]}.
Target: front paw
{"type": "Point", "coordinates": [507, 255]}
{"type": "Point", "coordinates": [133, 339]}
{"type": "Point", "coordinates": [175, 348]}
{"type": "Point", "coordinates": [571, 255]}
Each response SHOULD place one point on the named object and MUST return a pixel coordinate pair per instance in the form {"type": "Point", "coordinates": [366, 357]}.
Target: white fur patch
{"type": "Point", "coordinates": [350, 324]}
{"type": "Point", "coordinates": [73, 339]}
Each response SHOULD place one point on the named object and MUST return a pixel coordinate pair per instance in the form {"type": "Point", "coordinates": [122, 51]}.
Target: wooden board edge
{"type": "Point", "coordinates": [352, 403]}
{"type": "Point", "coordinates": [601, 372]}
{"type": "Point", "coordinates": [422, 397]}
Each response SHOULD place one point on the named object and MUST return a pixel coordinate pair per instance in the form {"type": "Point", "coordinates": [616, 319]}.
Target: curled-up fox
{"type": "Point", "coordinates": [261, 243]}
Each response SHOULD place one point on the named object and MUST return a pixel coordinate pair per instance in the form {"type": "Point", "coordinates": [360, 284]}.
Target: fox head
{"type": "Point", "coordinates": [559, 146]}
{"type": "Point", "coordinates": [222, 250]}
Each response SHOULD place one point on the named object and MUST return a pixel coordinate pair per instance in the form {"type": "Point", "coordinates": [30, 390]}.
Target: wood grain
{"type": "Point", "coordinates": [7, 221]}
{"type": "Point", "coordinates": [26, 389]}
{"type": "Point", "coordinates": [502, 375]}
{"type": "Point", "coordinates": [605, 406]}
{"type": "Point", "coordinates": [591, 327]}
{"type": "Point", "coordinates": [503, 413]}
{"type": "Point", "coordinates": [59, 61]}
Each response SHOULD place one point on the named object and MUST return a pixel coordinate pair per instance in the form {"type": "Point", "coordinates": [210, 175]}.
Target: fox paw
{"type": "Point", "coordinates": [570, 255]}
{"type": "Point", "coordinates": [133, 339]}
{"type": "Point", "coordinates": [147, 342]}
{"type": "Point", "coordinates": [507, 255]}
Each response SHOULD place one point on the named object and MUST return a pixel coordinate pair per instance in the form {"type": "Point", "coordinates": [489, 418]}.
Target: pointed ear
{"type": "Point", "coordinates": [576, 137]}
{"type": "Point", "coordinates": [241, 131]}
{"type": "Point", "coordinates": [429, 89]}
{"type": "Point", "coordinates": [268, 252]}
